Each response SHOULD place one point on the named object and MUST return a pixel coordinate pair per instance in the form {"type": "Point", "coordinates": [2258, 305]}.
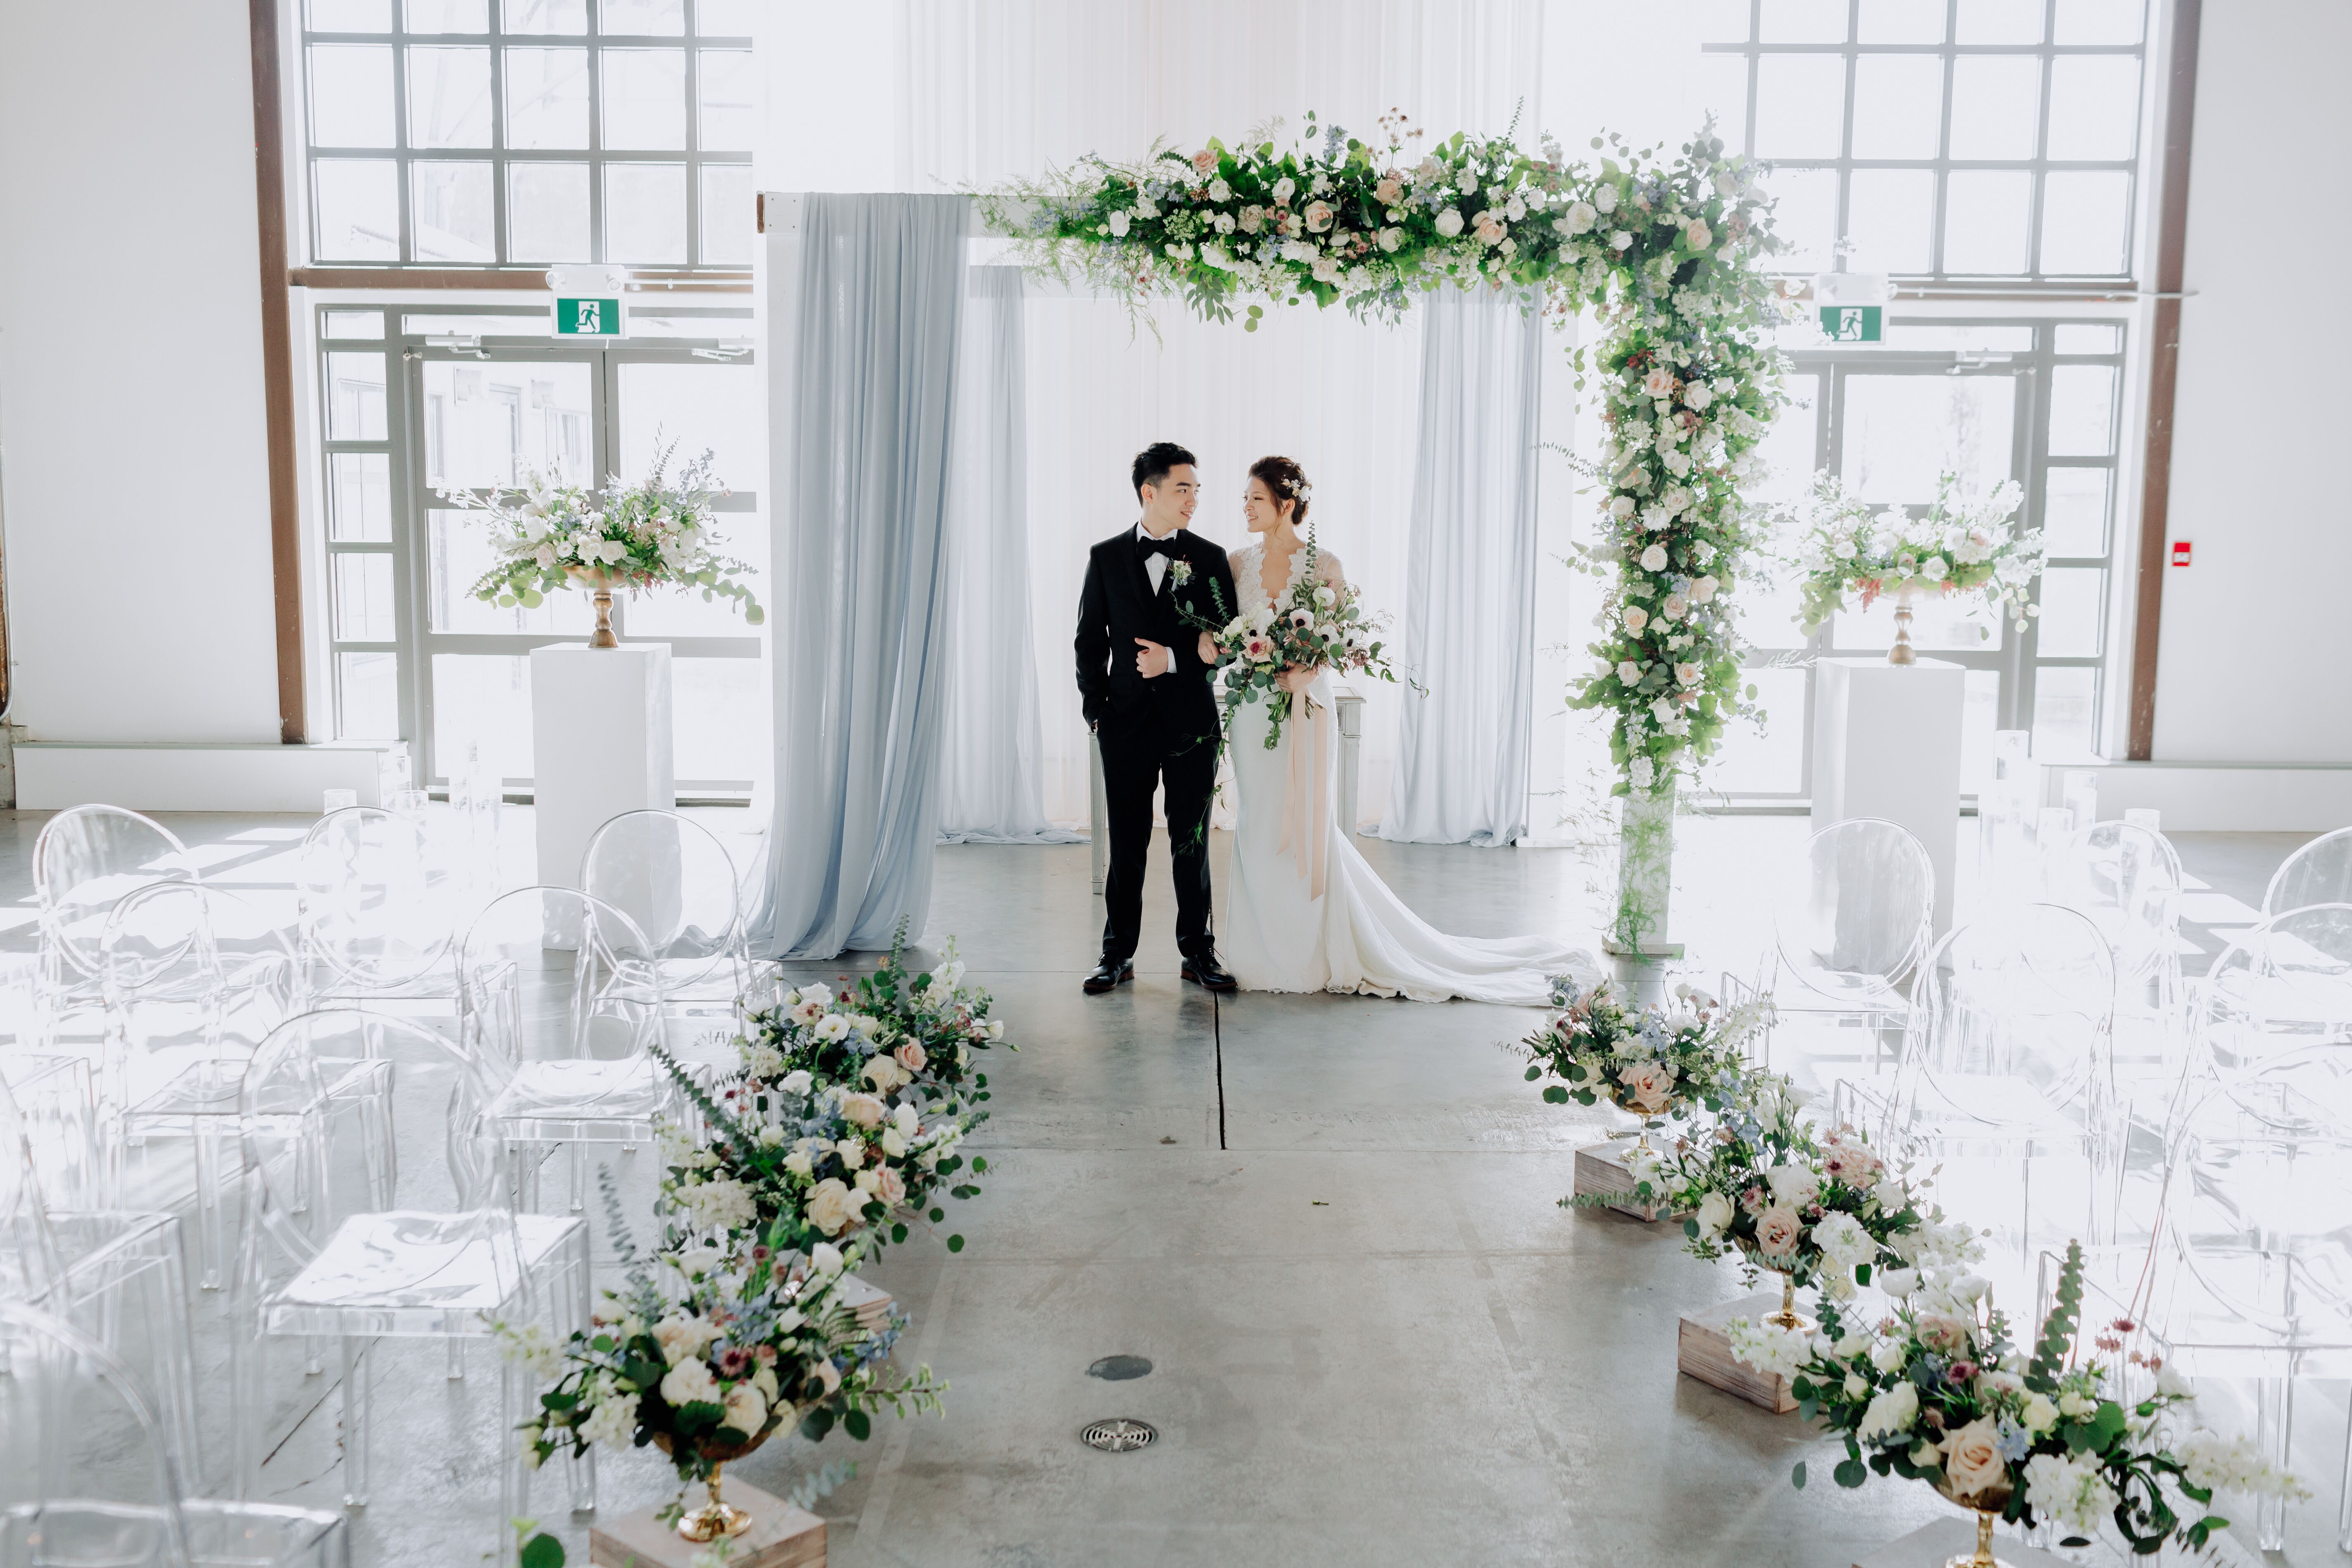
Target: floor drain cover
{"type": "Point", "coordinates": [1117, 1434]}
{"type": "Point", "coordinates": [1119, 1368]}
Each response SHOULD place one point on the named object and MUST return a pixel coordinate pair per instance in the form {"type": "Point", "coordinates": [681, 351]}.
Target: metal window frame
{"type": "Point", "coordinates": [402, 352]}
{"type": "Point", "coordinates": [2038, 168]}
{"type": "Point", "coordinates": [2017, 659]}
{"type": "Point", "coordinates": [692, 158]}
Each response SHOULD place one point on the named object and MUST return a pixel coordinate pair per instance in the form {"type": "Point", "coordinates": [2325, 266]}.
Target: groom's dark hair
{"type": "Point", "coordinates": [1152, 464]}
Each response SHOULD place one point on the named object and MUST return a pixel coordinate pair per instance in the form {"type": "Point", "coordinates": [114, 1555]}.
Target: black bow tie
{"type": "Point", "coordinates": [1147, 547]}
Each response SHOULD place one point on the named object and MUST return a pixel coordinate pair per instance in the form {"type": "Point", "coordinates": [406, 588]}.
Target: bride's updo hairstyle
{"type": "Point", "coordinates": [1286, 481]}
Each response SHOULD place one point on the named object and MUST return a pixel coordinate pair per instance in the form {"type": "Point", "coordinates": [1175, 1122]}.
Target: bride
{"type": "Point", "coordinates": [1304, 910]}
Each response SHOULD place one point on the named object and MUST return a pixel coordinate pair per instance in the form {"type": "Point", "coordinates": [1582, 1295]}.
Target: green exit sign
{"type": "Point", "coordinates": [602, 317]}
{"type": "Point", "coordinates": [1851, 324]}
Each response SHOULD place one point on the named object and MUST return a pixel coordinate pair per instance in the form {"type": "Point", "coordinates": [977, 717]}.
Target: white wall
{"type": "Point", "coordinates": [133, 477]}
{"type": "Point", "coordinates": [2256, 651]}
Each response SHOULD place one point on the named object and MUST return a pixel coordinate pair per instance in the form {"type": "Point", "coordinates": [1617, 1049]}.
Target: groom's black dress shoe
{"type": "Point", "coordinates": [1203, 970]}
{"type": "Point", "coordinates": [1110, 971]}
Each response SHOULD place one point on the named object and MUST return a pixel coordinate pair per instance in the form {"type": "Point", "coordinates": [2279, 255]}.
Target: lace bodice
{"type": "Point", "coordinates": [1249, 570]}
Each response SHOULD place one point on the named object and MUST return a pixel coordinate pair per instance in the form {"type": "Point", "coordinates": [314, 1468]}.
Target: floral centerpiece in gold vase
{"type": "Point", "coordinates": [656, 532]}
{"type": "Point", "coordinates": [1938, 1392]}
{"type": "Point", "coordinates": [1813, 1207]}
{"type": "Point", "coordinates": [1657, 1064]}
{"type": "Point", "coordinates": [1961, 545]}
{"type": "Point", "coordinates": [709, 1363]}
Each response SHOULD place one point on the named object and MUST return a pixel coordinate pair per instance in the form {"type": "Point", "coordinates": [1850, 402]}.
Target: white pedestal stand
{"type": "Point", "coordinates": [600, 738]}
{"type": "Point", "coordinates": [1886, 744]}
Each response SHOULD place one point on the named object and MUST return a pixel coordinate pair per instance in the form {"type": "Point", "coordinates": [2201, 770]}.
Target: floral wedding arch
{"type": "Point", "coordinates": [1666, 254]}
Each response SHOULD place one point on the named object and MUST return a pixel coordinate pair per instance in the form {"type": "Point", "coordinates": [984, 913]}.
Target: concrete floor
{"type": "Point", "coordinates": [1329, 1223]}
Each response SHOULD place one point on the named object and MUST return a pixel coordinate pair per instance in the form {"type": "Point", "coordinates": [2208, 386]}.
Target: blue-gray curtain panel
{"type": "Point", "coordinates": [1470, 606]}
{"type": "Point", "coordinates": [861, 549]}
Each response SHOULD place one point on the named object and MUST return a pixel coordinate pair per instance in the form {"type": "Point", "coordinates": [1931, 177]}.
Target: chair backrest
{"type": "Point", "coordinates": [2127, 881]}
{"type": "Point", "coordinates": [2258, 1194]}
{"type": "Point", "coordinates": [554, 974]}
{"type": "Point", "coordinates": [376, 911]}
{"type": "Point", "coordinates": [308, 1116]}
{"type": "Point", "coordinates": [2287, 983]}
{"type": "Point", "coordinates": [672, 877]}
{"type": "Point", "coordinates": [2318, 873]}
{"type": "Point", "coordinates": [2009, 1019]}
{"type": "Point", "coordinates": [30, 1260]}
{"type": "Point", "coordinates": [88, 1474]}
{"type": "Point", "coordinates": [1860, 916]}
{"type": "Point", "coordinates": [87, 858]}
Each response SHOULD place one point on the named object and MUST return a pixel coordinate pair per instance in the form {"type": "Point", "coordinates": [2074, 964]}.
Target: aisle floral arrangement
{"type": "Point", "coordinates": [1962, 547]}
{"type": "Point", "coordinates": [1321, 624]}
{"type": "Point", "coordinates": [656, 532]}
{"type": "Point", "coordinates": [1656, 1062]}
{"type": "Point", "coordinates": [844, 1117]}
{"type": "Point", "coordinates": [1668, 254]}
{"type": "Point", "coordinates": [1817, 1208]}
{"type": "Point", "coordinates": [1938, 1392]}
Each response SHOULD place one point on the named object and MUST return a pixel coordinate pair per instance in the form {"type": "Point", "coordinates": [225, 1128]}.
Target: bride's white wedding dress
{"type": "Point", "coordinates": [1304, 911]}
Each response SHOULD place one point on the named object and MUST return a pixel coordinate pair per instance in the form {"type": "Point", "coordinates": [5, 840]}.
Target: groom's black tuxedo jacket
{"type": "Point", "coordinates": [1117, 606]}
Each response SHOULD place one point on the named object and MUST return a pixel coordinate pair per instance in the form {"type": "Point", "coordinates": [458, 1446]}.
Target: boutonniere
{"type": "Point", "coordinates": [1182, 570]}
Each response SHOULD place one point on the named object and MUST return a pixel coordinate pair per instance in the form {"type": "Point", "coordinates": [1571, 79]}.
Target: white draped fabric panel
{"type": "Point", "coordinates": [992, 88]}
{"type": "Point", "coordinates": [991, 756]}
{"type": "Point", "coordinates": [1462, 751]}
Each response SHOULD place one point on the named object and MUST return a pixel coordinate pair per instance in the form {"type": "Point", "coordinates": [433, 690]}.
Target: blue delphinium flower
{"type": "Point", "coordinates": [2011, 1438]}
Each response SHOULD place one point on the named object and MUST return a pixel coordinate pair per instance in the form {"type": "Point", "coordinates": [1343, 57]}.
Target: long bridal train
{"type": "Point", "coordinates": [1305, 911]}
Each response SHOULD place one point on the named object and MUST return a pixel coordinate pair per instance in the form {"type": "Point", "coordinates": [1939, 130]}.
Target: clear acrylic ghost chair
{"type": "Point", "coordinates": [379, 913]}
{"type": "Point", "coordinates": [85, 860]}
{"type": "Point", "coordinates": [676, 881]}
{"type": "Point", "coordinates": [2318, 873]}
{"type": "Point", "coordinates": [2127, 881]}
{"type": "Point", "coordinates": [192, 978]}
{"type": "Point", "coordinates": [563, 989]}
{"type": "Point", "coordinates": [330, 1258]}
{"type": "Point", "coordinates": [2256, 1279]}
{"type": "Point", "coordinates": [1853, 927]}
{"type": "Point", "coordinates": [2285, 984]}
{"type": "Point", "coordinates": [121, 1275]}
{"type": "Point", "coordinates": [2006, 1067]}
{"type": "Point", "coordinates": [90, 1474]}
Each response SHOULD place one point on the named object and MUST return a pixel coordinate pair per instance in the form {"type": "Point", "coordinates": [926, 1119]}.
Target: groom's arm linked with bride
{"type": "Point", "coordinates": [1148, 698]}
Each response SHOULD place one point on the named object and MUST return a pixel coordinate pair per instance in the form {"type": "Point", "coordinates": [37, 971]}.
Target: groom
{"type": "Point", "coordinates": [1149, 702]}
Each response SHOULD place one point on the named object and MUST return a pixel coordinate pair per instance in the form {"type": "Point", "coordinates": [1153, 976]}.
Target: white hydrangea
{"type": "Point", "coordinates": [2069, 1490]}
{"type": "Point", "coordinates": [613, 1422]}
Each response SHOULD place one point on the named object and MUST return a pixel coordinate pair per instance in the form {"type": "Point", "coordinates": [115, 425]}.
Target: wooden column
{"type": "Point", "coordinates": [278, 368]}
{"type": "Point", "coordinates": [2164, 368]}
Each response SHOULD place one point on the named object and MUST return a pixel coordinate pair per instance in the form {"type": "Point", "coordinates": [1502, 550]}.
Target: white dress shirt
{"type": "Point", "coordinates": [1155, 564]}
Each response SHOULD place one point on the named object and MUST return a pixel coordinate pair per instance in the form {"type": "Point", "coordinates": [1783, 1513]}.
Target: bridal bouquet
{"type": "Point", "coordinates": [707, 1367]}
{"type": "Point", "coordinates": [1822, 1209]}
{"type": "Point", "coordinates": [811, 1162]}
{"type": "Point", "coordinates": [895, 1031]}
{"type": "Point", "coordinates": [1962, 547]}
{"type": "Point", "coordinates": [1939, 1393]}
{"type": "Point", "coordinates": [1655, 1062]}
{"type": "Point", "coordinates": [654, 533]}
{"type": "Point", "coordinates": [1319, 624]}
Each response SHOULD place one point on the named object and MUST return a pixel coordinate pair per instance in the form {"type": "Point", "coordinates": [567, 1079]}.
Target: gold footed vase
{"type": "Point", "coordinates": [1988, 1506]}
{"type": "Point", "coordinates": [1788, 1317]}
{"type": "Point", "coordinates": [600, 584]}
{"type": "Point", "coordinates": [718, 1517]}
{"type": "Point", "coordinates": [1902, 652]}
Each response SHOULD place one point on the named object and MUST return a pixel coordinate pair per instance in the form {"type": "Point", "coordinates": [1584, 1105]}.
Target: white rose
{"type": "Point", "coordinates": [1778, 1231]}
{"type": "Point", "coordinates": [1621, 508]}
{"type": "Point", "coordinates": [1629, 672]}
{"type": "Point", "coordinates": [1636, 618]}
{"type": "Point", "coordinates": [825, 1259]}
{"type": "Point", "coordinates": [1220, 192]}
{"type": "Point", "coordinates": [1449, 223]}
{"type": "Point", "coordinates": [1284, 189]}
{"type": "Point", "coordinates": [1620, 240]}
{"type": "Point", "coordinates": [1653, 559]}
{"type": "Point", "coordinates": [832, 1205]}
{"type": "Point", "coordinates": [1890, 1415]}
{"type": "Point", "coordinates": [1703, 591]}
{"type": "Point", "coordinates": [1715, 1214]}
{"type": "Point", "coordinates": [746, 1411]}
{"type": "Point", "coordinates": [1933, 567]}
{"type": "Point", "coordinates": [1391, 238]}
{"type": "Point", "coordinates": [1605, 198]}
{"type": "Point", "coordinates": [1899, 1282]}
{"type": "Point", "coordinates": [1120, 223]}
{"type": "Point", "coordinates": [1578, 218]}
{"type": "Point", "coordinates": [1887, 1356]}
{"type": "Point", "coordinates": [1699, 235]}
{"type": "Point", "coordinates": [1686, 674]}
{"type": "Point", "coordinates": [2038, 1414]}
{"type": "Point", "coordinates": [1697, 396]}
{"type": "Point", "coordinates": [1672, 606]}
{"type": "Point", "coordinates": [683, 1338]}
{"type": "Point", "coordinates": [690, 1383]}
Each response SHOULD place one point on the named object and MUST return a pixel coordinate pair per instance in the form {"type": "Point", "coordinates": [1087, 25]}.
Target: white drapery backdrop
{"type": "Point", "coordinates": [993, 88]}
{"type": "Point", "coordinates": [1462, 770]}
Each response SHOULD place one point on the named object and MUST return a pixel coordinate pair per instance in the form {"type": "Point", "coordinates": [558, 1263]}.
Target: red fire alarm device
{"type": "Point", "coordinates": [2180, 553]}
